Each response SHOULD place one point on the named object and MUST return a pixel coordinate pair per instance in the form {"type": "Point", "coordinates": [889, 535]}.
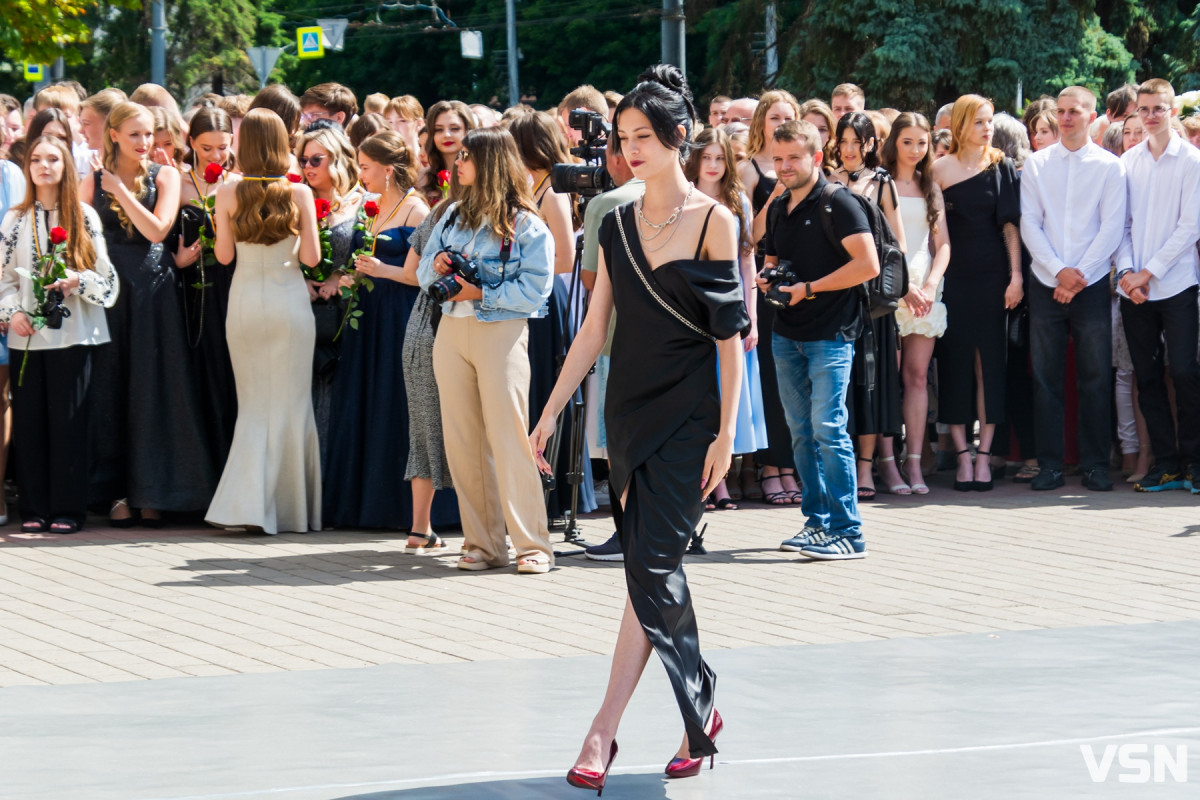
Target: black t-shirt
{"type": "Point", "coordinates": [798, 237]}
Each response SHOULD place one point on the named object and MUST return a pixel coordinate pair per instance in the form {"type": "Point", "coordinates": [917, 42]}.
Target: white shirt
{"type": "Point", "coordinates": [1073, 209]}
{"type": "Point", "coordinates": [1163, 223]}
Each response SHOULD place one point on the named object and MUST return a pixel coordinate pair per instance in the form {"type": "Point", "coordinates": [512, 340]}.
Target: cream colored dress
{"type": "Point", "coordinates": [272, 478]}
{"type": "Point", "coordinates": [920, 261]}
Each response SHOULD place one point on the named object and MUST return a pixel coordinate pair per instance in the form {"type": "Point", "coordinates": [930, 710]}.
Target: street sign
{"type": "Point", "coordinates": [309, 42]}
{"type": "Point", "coordinates": [35, 72]}
{"type": "Point", "coordinates": [263, 59]}
{"type": "Point", "coordinates": [471, 43]}
{"type": "Point", "coordinates": [335, 33]}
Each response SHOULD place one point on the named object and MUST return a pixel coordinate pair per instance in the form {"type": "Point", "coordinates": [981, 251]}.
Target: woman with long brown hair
{"type": "Point", "coordinates": [984, 280]}
{"type": "Point", "coordinates": [447, 122]}
{"type": "Point", "coordinates": [908, 157]}
{"type": "Point", "coordinates": [147, 423]}
{"type": "Point", "coordinates": [481, 356]}
{"type": "Point", "coordinates": [50, 399]}
{"type": "Point", "coordinates": [711, 167]}
{"type": "Point", "coordinates": [272, 479]}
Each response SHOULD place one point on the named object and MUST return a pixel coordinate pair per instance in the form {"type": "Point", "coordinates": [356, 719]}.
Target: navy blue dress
{"type": "Point", "coordinates": [364, 484]}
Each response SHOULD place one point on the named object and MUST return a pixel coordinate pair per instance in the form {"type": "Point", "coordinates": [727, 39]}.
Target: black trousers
{"type": "Point", "coordinates": [1088, 318]}
{"type": "Point", "coordinates": [1167, 327]}
{"type": "Point", "coordinates": [50, 432]}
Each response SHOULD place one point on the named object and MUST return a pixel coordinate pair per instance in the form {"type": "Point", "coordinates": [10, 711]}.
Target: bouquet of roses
{"type": "Point", "coordinates": [321, 272]}
{"type": "Point", "coordinates": [207, 204]}
{"type": "Point", "coordinates": [48, 311]}
{"type": "Point", "coordinates": [369, 211]}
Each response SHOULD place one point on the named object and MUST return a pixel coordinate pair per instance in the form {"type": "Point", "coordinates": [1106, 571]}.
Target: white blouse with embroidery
{"type": "Point", "coordinates": [98, 287]}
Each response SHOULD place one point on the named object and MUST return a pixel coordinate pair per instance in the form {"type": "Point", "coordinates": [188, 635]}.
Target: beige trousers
{"type": "Point", "coordinates": [482, 371]}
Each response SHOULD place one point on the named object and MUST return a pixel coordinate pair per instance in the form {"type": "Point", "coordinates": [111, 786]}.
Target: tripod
{"type": "Point", "coordinates": [577, 435]}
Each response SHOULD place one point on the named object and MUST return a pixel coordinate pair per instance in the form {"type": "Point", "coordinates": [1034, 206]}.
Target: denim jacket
{"type": "Point", "coordinates": [517, 290]}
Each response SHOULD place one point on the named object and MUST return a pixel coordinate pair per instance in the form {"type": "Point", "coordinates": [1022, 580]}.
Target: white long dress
{"type": "Point", "coordinates": [272, 478]}
{"type": "Point", "coordinates": [920, 261]}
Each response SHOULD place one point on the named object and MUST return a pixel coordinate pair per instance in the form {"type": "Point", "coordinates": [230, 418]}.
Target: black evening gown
{"type": "Point", "coordinates": [662, 411]}
{"type": "Point", "coordinates": [976, 211]}
{"type": "Point", "coordinates": [364, 484]}
{"type": "Point", "coordinates": [206, 301]}
{"type": "Point", "coordinates": [146, 431]}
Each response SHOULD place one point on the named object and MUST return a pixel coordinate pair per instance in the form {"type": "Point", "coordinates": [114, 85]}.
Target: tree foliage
{"type": "Point", "coordinates": [39, 31]}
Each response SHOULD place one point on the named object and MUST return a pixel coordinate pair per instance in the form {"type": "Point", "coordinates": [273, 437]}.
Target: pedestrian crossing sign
{"type": "Point", "coordinates": [35, 72]}
{"type": "Point", "coordinates": [308, 42]}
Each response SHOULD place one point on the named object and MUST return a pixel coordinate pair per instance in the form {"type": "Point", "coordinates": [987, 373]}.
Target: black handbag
{"type": "Point", "coordinates": [1018, 326]}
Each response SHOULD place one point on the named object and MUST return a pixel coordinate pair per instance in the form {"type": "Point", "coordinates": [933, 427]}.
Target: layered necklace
{"type": "Point", "coordinates": [660, 228]}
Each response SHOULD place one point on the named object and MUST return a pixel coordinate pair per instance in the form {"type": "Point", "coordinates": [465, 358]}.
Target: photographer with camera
{"type": "Point", "coordinates": [56, 337]}
{"type": "Point", "coordinates": [814, 286]}
{"type": "Point", "coordinates": [490, 261]}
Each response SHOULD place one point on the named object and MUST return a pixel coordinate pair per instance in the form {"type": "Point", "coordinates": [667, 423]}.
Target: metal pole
{"type": "Point", "coordinates": [514, 85]}
{"type": "Point", "coordinates": [158, 43]}
{"type": "Point", "coordinates": [771, 46]}
{"type": "Point", "coordinates": [674, 51]}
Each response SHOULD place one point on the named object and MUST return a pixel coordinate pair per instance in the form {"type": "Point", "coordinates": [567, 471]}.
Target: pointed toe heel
{"type": "Point", "coordinates": [588, 779]}
{"type": "Point", "coordinates": [689, 767]}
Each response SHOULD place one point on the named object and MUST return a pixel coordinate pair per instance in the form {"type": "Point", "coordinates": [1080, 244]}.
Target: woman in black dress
{"type": "Point", "coordinates": [983, 281]}
{"type": "Point", "coordinates": [670, 267]}
{"type": "Point", "coordinates": [146, 428]}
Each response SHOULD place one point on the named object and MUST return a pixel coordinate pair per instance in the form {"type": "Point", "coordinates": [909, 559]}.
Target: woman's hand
{"type": "Point", "coordinates": [370, 266]}
{"type": "Point", "coordinates": [441, 263]}
{"type": "Point", "coordinates": [1013, 295]}
{"type": "Point", "coordinates": [68, 285]}
{"type": "Point", "coordinates": [313, 286]}
{"type": "Point", "coordinates": [330, 288]}
{"type": "Point", "coordinates": [21, 325]}
{"type": "Point", "coordinates": [344, 280]}
{"type": "Point", "coordinates": [185, 256]}
{"type": "Point", "coordinates": [111, 184]}
{"type": "Point", "coordinates": [716, 463]}
{"type": "Point", "coordinates": [916, 301]}
{"type": "Point", "coordinates": [469, 291]}
{"type": "Point", "coordinates": [161, 156]}
{"type": "Point", "coordinates": [751, 340]}
{"type": "Point", "coordinates": [539, 440]}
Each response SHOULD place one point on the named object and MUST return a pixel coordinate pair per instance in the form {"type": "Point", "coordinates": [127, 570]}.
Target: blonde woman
{"type": "Point", "coordinates": [147, 420]}
{"type": "Point", "coordinates": [272, 480]}
{"type": "Point", "coordinates": [50, 402]}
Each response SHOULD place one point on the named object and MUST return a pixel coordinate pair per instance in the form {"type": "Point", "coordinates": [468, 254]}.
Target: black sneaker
{"type": "Point", "coordinates": [1097, 480]}
{"type": "Point", "coordinates": [1161, 480]}
{"type": "Point", "coordinates": [1048, 479]}
{"type": "Point", "coordinates": [609, 551]}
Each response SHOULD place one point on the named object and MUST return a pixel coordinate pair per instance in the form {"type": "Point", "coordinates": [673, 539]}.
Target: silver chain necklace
{"type": "Point", "coordinates": [671, 220]}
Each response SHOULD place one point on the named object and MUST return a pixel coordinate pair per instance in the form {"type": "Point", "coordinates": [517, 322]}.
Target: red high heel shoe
{"type": "Point", "coordinates": [688, 767]}
{"type": "Point", "coordinates": [587, 779]}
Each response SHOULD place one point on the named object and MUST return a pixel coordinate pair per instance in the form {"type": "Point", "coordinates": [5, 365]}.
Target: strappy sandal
{"type": "Point", "coordinates": [726, 504]}
{"type": "Point", "coordinates": [919, 487]}
{"type": "Point", "coordinates": [64, 526]}
{"type": "Point", "coordinates": [902, 489]}
{"type": "Point", "coordinates": [534, 565]}
{"type": "Point", "coordinates": [866, 492]}
{"type": "Point", "coordinates": [964, 486]}
{"type": "Point", "coordinates": [710, 504]}
{"type": "Point", "coordinates": [33, 525]}
{"type": "Point", "coordinates": [126, 522]}
{"type": "Point", "coordinates": [474, 562]}
{"type": "Point", "coordinates": [433, 544]}
{"type": "Point", "coordinates": [780, 498]}
{"type": "Point", "coordinates": [794, 494]}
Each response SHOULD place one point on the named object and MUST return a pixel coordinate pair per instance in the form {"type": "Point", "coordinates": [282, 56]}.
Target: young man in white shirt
{"type": "Point", "coordinates": [1156, 276]}
{"type": "Point", "coordinates": [1073, 209]}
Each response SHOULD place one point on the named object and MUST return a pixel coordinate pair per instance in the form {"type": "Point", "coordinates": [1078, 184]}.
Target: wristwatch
{"type": "Point", "coordinates": [808, 292]}
{"type": "Point", "coordinates": [1123, 273]}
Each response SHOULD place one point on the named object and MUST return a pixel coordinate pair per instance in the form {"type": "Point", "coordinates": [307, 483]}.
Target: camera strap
{"type": "Point", "coordinates": [670, 309]}
{"type": "Point", "coordinates": [505, 246]}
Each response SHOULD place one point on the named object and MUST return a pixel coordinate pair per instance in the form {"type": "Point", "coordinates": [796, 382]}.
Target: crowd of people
{"type": "Point", "coordinates": [241, 318]}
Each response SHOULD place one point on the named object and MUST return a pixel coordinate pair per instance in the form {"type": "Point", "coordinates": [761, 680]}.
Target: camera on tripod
{"type": "Point", "coordinates": [591, 178]}
{"type": "Point", "coordinates": [779, 275]}
{"type": "Point", "coordinates": [446, 287]}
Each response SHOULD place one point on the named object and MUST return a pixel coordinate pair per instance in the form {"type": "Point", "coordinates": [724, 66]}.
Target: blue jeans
{"type": "Point", "coordinates": [813, 379]}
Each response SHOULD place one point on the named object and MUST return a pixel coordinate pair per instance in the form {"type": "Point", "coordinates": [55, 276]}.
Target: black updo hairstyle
{"type": "Point", "coordinates": [662, 94]}
{"type": "Point", "coordinates": [864, 129]}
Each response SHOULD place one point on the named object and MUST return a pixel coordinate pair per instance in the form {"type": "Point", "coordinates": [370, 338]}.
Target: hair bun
{"type": "Point", "coordinates": [670, 76]}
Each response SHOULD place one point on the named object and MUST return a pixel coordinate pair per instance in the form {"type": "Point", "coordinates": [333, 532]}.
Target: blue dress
{"type": "Point", "coordinates": [364, 484]}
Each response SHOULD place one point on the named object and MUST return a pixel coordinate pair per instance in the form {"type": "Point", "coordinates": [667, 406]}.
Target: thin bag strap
{"type": "Point", "coordinates": [636, 268]}
{"type": "Point", "coordinates": [703, 232]}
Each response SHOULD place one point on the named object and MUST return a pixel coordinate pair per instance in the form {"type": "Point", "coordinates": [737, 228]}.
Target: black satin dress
{"type": "Point", "coordinates": [662, 411]}
{"type": "Point", "coordinates": [146, 430]}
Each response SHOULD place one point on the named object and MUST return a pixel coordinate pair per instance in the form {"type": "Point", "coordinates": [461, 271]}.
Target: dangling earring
{"type": "Point", "coordinates": [387, 181]}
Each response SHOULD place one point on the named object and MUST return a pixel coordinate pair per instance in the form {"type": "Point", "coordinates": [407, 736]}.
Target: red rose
{"type": "Point", "coordinates": [294, 178]}
{"type": "Point", "coordinates": [213, 172]}
{"type": "Point", "coordinates": [443, 178]}
{"type": "Point", "coordinates": [57, 236]}
{"type": "Point", "coordinates": [370, 208]}
{"type": "Point", "coordinates": [322, 208]}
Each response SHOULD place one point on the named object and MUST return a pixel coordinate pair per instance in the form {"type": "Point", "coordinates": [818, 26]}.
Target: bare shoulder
{"type": "Point", "coordinates": [301, 192]}
{"type": "Point", "coordinates": [167, 176]}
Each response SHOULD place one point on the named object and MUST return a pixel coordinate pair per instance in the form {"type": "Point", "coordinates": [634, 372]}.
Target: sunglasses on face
{"type": "Point", "coordinates": [463, 155]}
{"type": "Point", "coordinates": [315, 161]}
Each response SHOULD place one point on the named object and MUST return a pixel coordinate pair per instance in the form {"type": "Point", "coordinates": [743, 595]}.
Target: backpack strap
{"type": "Point", "coordinates": [825, 213]}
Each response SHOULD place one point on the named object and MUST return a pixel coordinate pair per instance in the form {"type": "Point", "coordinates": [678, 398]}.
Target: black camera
{"type": "Point", "coordinates": [779, 275]}
{"type": "Point", "coordinates": [592, 178]}
{"type": "Point", "coordinates": [57, 311]}
{"type": "Point", "coordinates": [446, 287]}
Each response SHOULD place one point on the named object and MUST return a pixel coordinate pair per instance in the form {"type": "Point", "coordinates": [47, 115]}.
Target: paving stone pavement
{"type": "Point", "coordinates": [109, 605]}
